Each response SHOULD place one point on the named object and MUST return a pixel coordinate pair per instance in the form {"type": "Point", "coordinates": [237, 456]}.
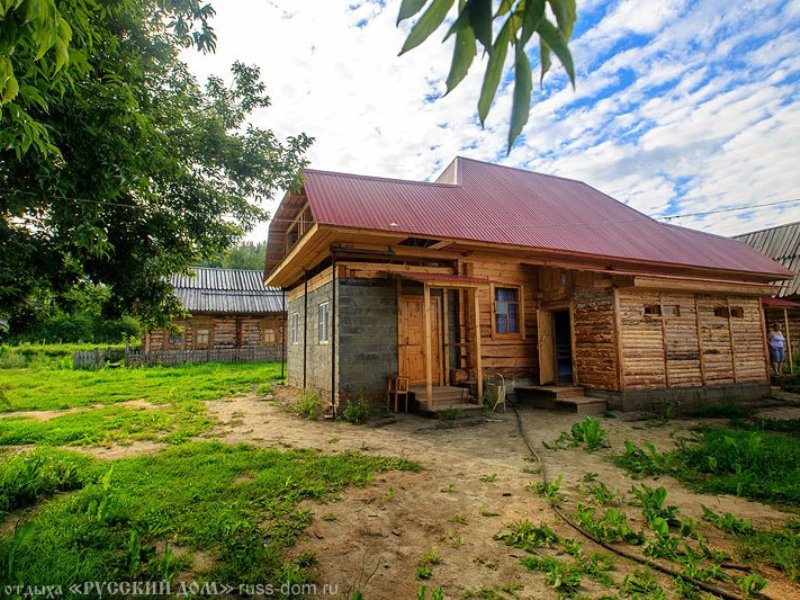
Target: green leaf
{"type": "Point", "coordinates": [522, 95]}
{"type": "Point", "coordinates": [532, 15]}
{"type": "Point", "coordinates": [552, 37]}
{"type": "Point", "coordinates": [11, 90]}
{"type": "Point", "coordinates": [480, 18]}
{"type": "Point", "coordinates": [463, 55]}
{"type": "Point", "coordinates": [494, 71]}
{"type": "Point", "coordinates": [427, 24]}
{"type": "Point", "coordinates": [409, 8]}
{"type": "Point", "coordinates": [544, 58]}
{"type": "Point", "coordinates": [566, 12]}
{"type": "Point", "coordinates": [504, 8]}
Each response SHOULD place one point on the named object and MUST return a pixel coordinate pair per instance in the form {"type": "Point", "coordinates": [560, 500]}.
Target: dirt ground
{"type": "Point", "coordinates": [473, 484]}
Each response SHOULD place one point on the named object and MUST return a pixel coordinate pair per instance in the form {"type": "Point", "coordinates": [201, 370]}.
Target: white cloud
{"type": "Point", "coordinates": [699, 111]}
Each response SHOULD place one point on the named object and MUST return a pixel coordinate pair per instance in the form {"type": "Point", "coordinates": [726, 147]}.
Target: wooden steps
{"type": "Point", "coordinates": [560, 397]}
{"type": "Point", "coordinates": [449, 402]}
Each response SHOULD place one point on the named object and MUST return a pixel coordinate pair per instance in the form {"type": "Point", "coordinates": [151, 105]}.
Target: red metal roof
{"type": "Point", "coordinates": [503, 205]}
{"type": "Point", "coordinates": [770, 301]}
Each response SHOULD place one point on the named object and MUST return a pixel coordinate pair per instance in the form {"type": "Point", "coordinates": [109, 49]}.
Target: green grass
{"type": "Point", "coordinates": [49, 355]}
{"type": "Point", "coordinates": [143, 518]}
{"type": "Point", "coordinates": [173, 423]}
{"type": "Point", "coordinates": [55, 389]}
{"type": "Point", "coordinates": [754, 464]}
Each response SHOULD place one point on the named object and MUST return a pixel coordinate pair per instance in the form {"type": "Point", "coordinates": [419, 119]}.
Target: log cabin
{"type": "Point", "coordinates": [228, 309]}
{"type": "Point", "coordinates": [491, 271]}
{"type": "Point", "coordinates": [782, 244]}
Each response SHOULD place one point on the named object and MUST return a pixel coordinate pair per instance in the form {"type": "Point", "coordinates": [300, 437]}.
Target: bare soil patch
{"type": "Point", "coordinates": [473, 484]}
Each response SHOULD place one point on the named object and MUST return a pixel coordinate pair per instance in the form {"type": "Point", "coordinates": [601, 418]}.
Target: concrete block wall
{"type": "Point", "coordinates": [367, 342]}
{"type": "Point", "coordinates": [366, 338]}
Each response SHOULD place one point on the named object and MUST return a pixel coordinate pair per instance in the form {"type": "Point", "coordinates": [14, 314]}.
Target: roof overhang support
{"type": "Point", "coordinates": [428, 339]}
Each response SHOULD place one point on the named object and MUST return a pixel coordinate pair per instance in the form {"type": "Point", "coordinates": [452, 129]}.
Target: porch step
{"type": "Point", "coordinates": [443, 395]}
{"type": "Point", "coordinates": [558, 397]}
{"type": "Point", "coordinates": [450, 412]}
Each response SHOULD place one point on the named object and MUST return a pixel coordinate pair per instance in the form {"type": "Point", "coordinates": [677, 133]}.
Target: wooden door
{"type": "Point", "coordinates": [411, 339]}
{"type": "Point", "coordinates": [547, 348]}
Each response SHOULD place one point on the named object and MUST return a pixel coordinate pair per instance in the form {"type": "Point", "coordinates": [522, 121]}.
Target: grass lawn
{"type": "Point", "coordinates": [145, 518]}
{"type": "Point", "coordinates": [749, 460]}
{"type": "Point", "coordinates": [57, 389]}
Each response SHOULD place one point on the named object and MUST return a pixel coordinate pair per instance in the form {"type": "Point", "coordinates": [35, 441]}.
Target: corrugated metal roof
{"type": "Point", "coordinates": [226, 291]}
{"type": "Point", "coordinates": [782, 244]}
{"type": "Point", "coordinates": [503, 205]}
{"type": "Point", "coordinates": [770, 301]}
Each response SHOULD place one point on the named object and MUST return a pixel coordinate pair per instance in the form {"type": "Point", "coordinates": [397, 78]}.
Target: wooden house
{"type": "Point", "coordinates": [229, 309]}
{"type": "Point", "coordinates": [782, 244]}
{"type": "Point", "coordinates": [492, 270]}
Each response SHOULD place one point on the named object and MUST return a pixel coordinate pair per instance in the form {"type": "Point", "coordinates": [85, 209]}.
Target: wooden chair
{"type": "Point", "coordinates": [396, 387]}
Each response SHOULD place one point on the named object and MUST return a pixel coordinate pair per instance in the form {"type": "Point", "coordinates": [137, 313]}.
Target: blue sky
{"type": "Point", "coordinates": [680, 106]}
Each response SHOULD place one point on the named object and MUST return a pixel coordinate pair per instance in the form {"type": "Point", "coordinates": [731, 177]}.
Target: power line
{"type": "Point", "coordinates": [729, 209]}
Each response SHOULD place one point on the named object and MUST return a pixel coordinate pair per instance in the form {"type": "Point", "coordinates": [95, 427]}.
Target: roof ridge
{"type": "Point", "coordinates": [196, 268]}
{"type": "Point", "coordinates": [389, 179]}
{"type": "Point", "coordinates": [521, 170]}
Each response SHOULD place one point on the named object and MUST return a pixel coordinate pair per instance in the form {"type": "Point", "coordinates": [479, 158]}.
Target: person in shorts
{"type": "Point", "coordinates": [777, 348]}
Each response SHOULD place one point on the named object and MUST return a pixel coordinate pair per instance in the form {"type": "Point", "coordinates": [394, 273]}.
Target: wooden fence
{"type": "Point", "coordinates": [95, 359]}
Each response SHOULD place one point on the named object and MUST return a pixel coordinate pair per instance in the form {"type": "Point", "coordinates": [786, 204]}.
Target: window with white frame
{"type": "Point", "coordinates": [322, 323]}
{"type": "Point", "coordinates": [295, 327]}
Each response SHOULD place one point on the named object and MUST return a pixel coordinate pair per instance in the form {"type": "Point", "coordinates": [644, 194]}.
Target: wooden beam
{"type": "Point", "coordinates": [446, 336]}
{"type": "Point", "coordinates": [618, 340]}
{"type": "Point", "coordinates": [664, 338]}
{"type": "Point", "coordinates": [426, 311]}
{"type": "Point", "coordinates": [788, 339]}
{"type": "Point", "coordinates": [699, 326]}
{"type": "Point", "coordinates": [440, 245]}
{"type": "Point", "coordinates": [478, 359]}
{"type": "Point", "coordinates": [744, 289]}
{"type": "Point", "coordinates": [573, 353]}
{"type": "Point", "coordinates": [730, 334]}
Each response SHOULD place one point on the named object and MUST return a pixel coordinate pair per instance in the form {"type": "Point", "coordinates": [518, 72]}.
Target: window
{"type": "Point", "coordinates": [734, 312]}
{"type": "Point", "coordinates": [268, 336]}
{"type": "Point", "coordinates": [295, 328]}
{"type": "Point", "coordinates": [506, 311]}
{"type": "Point", "coordinates": [671, 310]}
{"type": "Point", "coordinates": [176, 339]}
{"type": "Point", "coordinates": [201, 338]}
{"type": "Point", "coordinates": [652, 310]}
{"type": "Point", "coordinates": [322, 316]}
{"type": "Point", "coordinates": [737, 312]}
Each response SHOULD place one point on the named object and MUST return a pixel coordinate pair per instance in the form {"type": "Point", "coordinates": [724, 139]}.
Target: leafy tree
{"type": "Point", "coordinates": [247, 255]}
{"type": "Point", "coordinates": [117, 167]}
{"type": "Point", "coordinates": [511, 26]}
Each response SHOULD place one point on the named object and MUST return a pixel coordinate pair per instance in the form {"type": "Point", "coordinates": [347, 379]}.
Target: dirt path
{"type": "Point", "coordinates": [372, 538]}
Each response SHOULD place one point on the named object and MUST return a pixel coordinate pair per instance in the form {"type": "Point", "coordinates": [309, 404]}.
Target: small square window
{"type": "Point", "coordinates": [322, 323]}
{"type": "Point", "coordinates": [722, 311]}
{"type": "Point", "coordinates": [202, 338]}
{"type": "Point", "coordinates": [671, 310]}
{"type": "Point", "coordinates": [737, 312]}
{"type": "Point", "coordinates": [652, 310]}
{"type": "Point", "coordinates": [268, 336]}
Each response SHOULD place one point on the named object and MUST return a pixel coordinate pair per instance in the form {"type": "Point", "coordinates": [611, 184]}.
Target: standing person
{"type": "Point", "coordinates": [777, 348]}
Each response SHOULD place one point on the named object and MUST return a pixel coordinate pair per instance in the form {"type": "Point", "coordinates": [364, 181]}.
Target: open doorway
{"type": "Point", "coordinates": [563, 343]}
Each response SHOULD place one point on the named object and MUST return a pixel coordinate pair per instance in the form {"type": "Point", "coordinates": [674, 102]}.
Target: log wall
{"type": "Point", "coordinates": [594, 338]}
{"type": "Point", "coordinates": [701, 345]}
{"type": "Point", "coordinates": [224, 332]}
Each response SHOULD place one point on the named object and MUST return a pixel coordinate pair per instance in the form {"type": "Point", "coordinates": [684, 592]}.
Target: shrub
{"type": "Point", "coordinates": [357, 411]}
{"type": "Point", "coordinates": [10, 360]}
{"type": "Point", "coordinates": [263, 389]}
{"type": "Point", "coordinates": [309, 405]}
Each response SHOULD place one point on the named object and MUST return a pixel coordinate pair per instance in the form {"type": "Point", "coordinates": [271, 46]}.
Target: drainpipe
{"type": "Point", "coordinates": [305, 325]}
{"type": "Point", "coordinates": [333, 334]}
{"type": "Point", "coordinates": [283, 333]}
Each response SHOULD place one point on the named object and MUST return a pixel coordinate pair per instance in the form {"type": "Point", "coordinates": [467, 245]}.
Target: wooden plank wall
{"type": "Point", "coordinates": [695, 348]}
{"type": "Point", "coordinates": [510, 357]}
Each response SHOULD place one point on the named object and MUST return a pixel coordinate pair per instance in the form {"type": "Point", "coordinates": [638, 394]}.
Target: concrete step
{"type": "Point", "coordinates": [449, 412]}
{"type": "Point", "coordinates": [560, 397]}
{"type": "Point", "coordinates": [442, 395]}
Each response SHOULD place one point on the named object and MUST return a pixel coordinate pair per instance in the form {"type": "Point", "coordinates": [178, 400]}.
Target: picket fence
{"type": "Point", "coordinates": [96, 359]}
